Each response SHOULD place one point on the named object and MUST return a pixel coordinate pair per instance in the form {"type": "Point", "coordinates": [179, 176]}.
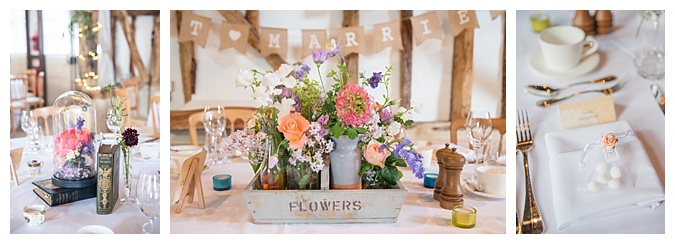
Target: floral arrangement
{"type": "Point", "coordinates": [129, 136]}
{"type": "Point", "coordinates": [75, 152]}
{"type": "Point", "coordinates": [301, 118]}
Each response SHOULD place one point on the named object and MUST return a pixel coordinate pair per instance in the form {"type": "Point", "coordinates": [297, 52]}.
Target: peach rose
{"type": "Point", "coordinates": [294, 126]}
{"type": "Point", "coordinates": [373, 154]}
{"type": "Point", "coordinates": [609, 141]}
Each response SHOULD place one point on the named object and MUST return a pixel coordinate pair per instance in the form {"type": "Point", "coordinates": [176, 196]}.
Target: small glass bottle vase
{"type": "Point", "coordinates": [126, 177]}
{"type": "Point", "coordinates": [650, 45]}
{"type": "Point", "coordinates": [272, 171]}
{"type": "Point", "coordinates": [302, 177]}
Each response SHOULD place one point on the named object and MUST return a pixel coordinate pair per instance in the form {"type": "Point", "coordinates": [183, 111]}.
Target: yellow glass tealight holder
{"type": "Point", "coordinates": [463, 216]}
{"type": "Point", "coordinates": [539, 22]}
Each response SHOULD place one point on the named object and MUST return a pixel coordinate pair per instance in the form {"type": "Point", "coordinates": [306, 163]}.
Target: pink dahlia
{"type": "Point", "coordinates": [353, 105]}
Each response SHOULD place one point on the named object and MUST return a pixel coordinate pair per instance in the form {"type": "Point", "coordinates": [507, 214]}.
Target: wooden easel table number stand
{"type": "Point", "coordinates": [190, 182]}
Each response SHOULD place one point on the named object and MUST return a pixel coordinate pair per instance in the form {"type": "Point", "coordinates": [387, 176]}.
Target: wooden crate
{"type": "Point", "coordinates": [324, 206]}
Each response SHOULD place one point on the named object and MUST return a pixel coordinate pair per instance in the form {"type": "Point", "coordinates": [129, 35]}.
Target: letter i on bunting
{"type": "Point", "coordinates": [194, 28]}
{"type": "Point", "coordinates": [425, 26]}
{"type": "Point", "coordinates": [387, 35]}
{"type": "Point", "coordinates": [235, 36]}
{"type": "Point", "coordinates": [353, 40]}
{"type": "Point", "coordinates": [273, 41]}
{"type": "Point", "coordinates": [462, 19]}
{"type": "Point", "coordinates": [313, 40]}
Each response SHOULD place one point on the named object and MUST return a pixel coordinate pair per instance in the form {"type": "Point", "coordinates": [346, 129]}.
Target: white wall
{"type": "Point", "coordinates": [432, 61]}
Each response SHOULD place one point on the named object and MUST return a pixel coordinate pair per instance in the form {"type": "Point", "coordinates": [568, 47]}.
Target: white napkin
{"type": "Point", "coordinates": [575, 208]}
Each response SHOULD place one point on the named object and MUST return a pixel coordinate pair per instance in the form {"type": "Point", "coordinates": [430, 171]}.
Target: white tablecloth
{"type": "Point", "coordinates": [227, 212]}
{"type": "Point", "coordinates": [68, 218]}
{"type": "Point", "coordinates": [633, 103]}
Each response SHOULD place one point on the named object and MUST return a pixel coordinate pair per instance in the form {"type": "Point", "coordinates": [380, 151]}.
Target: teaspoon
{"type": "Point", "coordinates": [547, 91]}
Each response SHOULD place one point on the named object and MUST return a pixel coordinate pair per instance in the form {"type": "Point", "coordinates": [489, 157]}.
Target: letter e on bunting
{"type": "Point", "coordinates": [462, 19]}
{"type": "Point", "coordinates": [353, 40]}
{"type": "Point", "coordinates": [313, 40]}
{"type": "Point", "coordinates": [194, 28]}
{"type": "Point", "coordinates": [235, 36]}
{"type": "Point", "coordinates": [273, 41]}
{"type": "Point", "coordinates": [387, 35]}
{"type": "Point", "coordinates": [425, 26]}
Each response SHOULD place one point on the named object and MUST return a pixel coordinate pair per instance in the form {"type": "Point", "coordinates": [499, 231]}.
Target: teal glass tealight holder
{"type": "Point", "coordinates": [222, 182]}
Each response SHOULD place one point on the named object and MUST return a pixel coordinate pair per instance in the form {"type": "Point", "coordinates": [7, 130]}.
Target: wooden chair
{"type": "Point", "coordinates": [44, 113]}
{"type": "Point", "coordinates": [32, 75]}
{"type": "Point", "coordinates": [133, 90]}
{"type": "Point", "coordinates": [18, 91]}
{"type": "Point", "coordinates": [154, 113]}
{"type": "Point", "coordinates": [127, 120]}
{"type": "Point", "coordinates": [196, 117]}
{"type": "Point", "coordinates": [232, 115]}
{"type": "Point", "coordinates": [498, 124]}
{"type": "Point", "coordinates": [36, 97]}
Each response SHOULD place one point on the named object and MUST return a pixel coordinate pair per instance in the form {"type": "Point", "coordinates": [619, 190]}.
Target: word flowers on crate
{"type": "Point", "coordinates": [302, 122]}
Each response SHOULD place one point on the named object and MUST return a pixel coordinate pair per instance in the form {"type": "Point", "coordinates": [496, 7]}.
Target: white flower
{"type": "Point", "coordinates": [405, 113]}
{"type": "Point", "coordinates": [271, 80]}
{"type": "Point", "coordinates": [418, 107]}
{"type": "Point", "coordinates": [250, 124]}
{"type": "Point", "coordinates": [285, 107]}
{"type": "Point", "coordinates": [273, 161]}
{"type": "Point", "coordinates": [284, 70]}
{"type": "Point", "coordinates": [289, 82]}
{"type": "Point", "coordinates": [393, 128]}
{"type": "Point", "coordinates": [244, 79]}
{"type": "Point", "coordinates": [71, 155]}
{"type": "Point", "coordinates": [262, 96]}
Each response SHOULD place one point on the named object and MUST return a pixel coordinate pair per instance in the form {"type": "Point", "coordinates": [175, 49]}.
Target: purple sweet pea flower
{"type": "Point", "coordinates": [385, 115]}
{"type": "Point", "coordinates": [80, 123]}
{"type": "Point", "coordinates": [323, 120]}
{"type": "Point", "coordinates": [286, 92]}
{"type": "Point", "coordinates": [375, 79]}
{"type": "Point", "coordinates": [298, 104]}
{"type": "Point", "coordinates": [320, 56]}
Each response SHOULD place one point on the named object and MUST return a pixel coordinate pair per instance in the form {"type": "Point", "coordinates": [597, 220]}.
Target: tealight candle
{"type": "Point", "coordinates": [222, 182]}
{"type": "Point", "coordinates": [430, 179]}
{"type": "Point", "coordinates": [35, 167]}
{"type": "Point", "coordinates": [539, 22]}
{"type": "Point", "coordinates": [463, 216]}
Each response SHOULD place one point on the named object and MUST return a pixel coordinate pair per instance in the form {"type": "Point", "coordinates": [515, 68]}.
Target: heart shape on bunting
{"type": "Point", "coordinates": [234, 35]}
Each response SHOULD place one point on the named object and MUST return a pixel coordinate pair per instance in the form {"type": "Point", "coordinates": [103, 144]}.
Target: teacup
{"type": "Point", "coordinates": [563, 47]}
{"type": "Point", "coordinates": [492, 178]}
{"type": "Point", "coordinates": [34, 214]}
{"type": "Point", "coordinates": [149, 150]}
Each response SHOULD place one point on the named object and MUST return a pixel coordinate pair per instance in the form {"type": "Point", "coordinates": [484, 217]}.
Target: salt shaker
{"type": "Point", "coordinates": [451, 193]}
{"type": "Point", "coordinates": [603, 21]}
{"type": "Point", "coordinates": [583, 20]}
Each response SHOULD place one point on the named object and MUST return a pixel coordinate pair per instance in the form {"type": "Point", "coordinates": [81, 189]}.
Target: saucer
{"type": "Point", "coordinates": [586, 65]}
{"type": "Point", "coordinates": [185, 150]}
{"type": "Point", "coordinates": [138, 156]}
{"type": "Point", "coordinates": [94, 229]}
{"type": "Point", "coordinates": [483, 194]}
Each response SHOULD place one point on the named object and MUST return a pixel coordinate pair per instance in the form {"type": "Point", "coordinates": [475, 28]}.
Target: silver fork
{"type": "Point", "coordinates": [608, 91]}
{"type": "Point", "coordinates": [532, 222]}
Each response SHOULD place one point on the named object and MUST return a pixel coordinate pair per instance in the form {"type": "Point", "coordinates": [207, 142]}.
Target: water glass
{"type": "Point", "coordinates": [478, 130]}
{"type": "Point", "coordinates": [650, 45]}
{"type": "Point", "coordinates": [28, 121]}
{"type": "Point", "coordinates": [214, 125]}
{"type": "Point", "coordinates": [113, 121]}
{"type": "Point", "coordinates": [148, 197]}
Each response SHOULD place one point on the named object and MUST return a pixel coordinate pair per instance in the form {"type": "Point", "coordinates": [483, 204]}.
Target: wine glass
{"type": "Point", "coordinates": [28, 121]}
{"type": "Point", "coordinates": [214, 124]}
{"type": "Point", "coordinates": [478, 130]}
{"type": "Point", "coordinates": [35, 139]}
{"type": "Point", "coordinates": [112, 120]}
{"type": "Point", "coordinates": [148, 197]}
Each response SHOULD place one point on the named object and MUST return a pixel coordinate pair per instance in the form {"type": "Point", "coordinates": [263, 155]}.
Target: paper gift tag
{"type": "Point", "coordinates": [587, 112]}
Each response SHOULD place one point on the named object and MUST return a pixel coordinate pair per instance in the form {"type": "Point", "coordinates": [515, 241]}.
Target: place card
{"type": "Point", "coordinates": [587, 112]}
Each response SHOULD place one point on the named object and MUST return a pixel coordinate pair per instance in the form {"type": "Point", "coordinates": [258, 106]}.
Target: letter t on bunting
{"type": "Point", "coordinates": [234, 35]}
{"type": "Point", "coordinates": [462, 19]}
{"type": "Point", "coordinates": [387, 35]}
{"type": "Point", "coordinates": [425, 26]}
{"type": "Point", "coordinates": [273, 41]}
{"type": "Point", "coordinates": [353, 40]}
{"type": "Point", "coordinates": [194, 28]}
{"type": "Point", "coordinates": [313, 40]}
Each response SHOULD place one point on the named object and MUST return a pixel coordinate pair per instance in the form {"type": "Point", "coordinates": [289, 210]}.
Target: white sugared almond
{"type": "Point", "coordinates": [615, 172]}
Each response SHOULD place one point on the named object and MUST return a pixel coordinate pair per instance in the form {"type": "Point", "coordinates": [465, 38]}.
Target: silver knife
{"type": "Point", "coordinates": [659, 97]}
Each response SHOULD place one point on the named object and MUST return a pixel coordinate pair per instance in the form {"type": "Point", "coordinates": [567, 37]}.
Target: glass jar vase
{"type": "Point", "coordinates": [74, 123]}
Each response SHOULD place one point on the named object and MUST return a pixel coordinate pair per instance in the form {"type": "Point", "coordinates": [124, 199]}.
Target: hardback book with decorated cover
{"type": "Point", "coordinates": [107, 178]}
{"type": "Point", "coordinates": [54, 195]}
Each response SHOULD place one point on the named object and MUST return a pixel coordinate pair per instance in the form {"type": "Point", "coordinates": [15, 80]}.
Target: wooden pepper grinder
{"type": "Point", "coordinates": [603, 21]}
{"type": "Point", "coordinates": [440, 154]}
{"type": "Point", "coordinates": [451, 193]}
{"type": "Point", "coordinates": [583, 20]}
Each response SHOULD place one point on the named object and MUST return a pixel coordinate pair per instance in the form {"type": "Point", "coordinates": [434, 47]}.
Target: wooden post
{"type": "Point", "coordinates": [462, 74]}
{"type": "Point", "coordinates": [133, 33]}
{"type": "Point", "coordinates": [131, 41]}
{"type": "Point", "coordinates": [155, 53]}
{"type": "Point", "coordinates": [113, 30]}
{"type": "Point", "coordinates": [188, 65]}
{"type": "Point", "coordinates": [502, 106]}
{"type": "Point", "coordinates": [233, 16]}
{"type": "Point", "coordinates": [351, 18]}
{"type": "Point", "coordinates": [406, 58]}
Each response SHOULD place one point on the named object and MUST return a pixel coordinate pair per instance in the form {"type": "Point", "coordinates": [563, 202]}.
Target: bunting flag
{"type": "Point", "coordinates": [234, 36]}
{"type": "Point", "coordinates": [387, 35]}
{"type": "Point", "coordinates": [462, 19]}
{"type": "Point", "coordinates": [353, 40]}
{"type": "Point", "coordinates": [313, 40]}
{"type": "Point", "coordinates": [425, 26]}
{"type": "Point", "coordinates": [273, 41]}
{"type": "Point", "coordinates": [194, 28]}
